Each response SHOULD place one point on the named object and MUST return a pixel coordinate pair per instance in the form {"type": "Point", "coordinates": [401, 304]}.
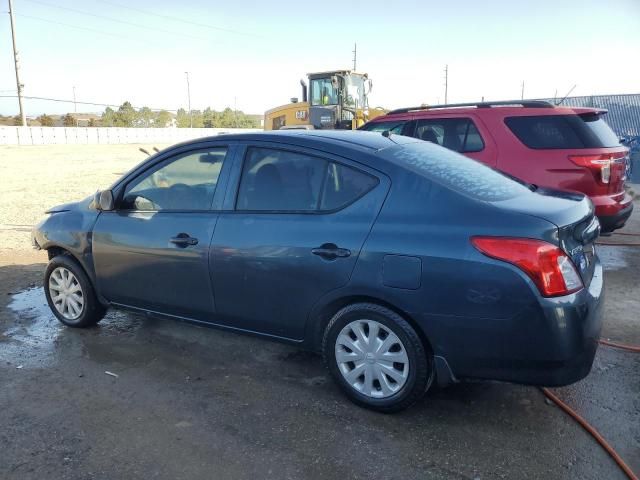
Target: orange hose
{"type": "Point", "coordinates": [618, 244]}
{"type": "Point", "coordinates": [622, 346]}
{"type": "Point", "coordinates": [594, 433]}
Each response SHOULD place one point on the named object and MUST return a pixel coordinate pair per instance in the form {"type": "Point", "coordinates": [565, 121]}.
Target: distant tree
{"type": "Point", "coordinates": [45, 120]}
{"type": "Point", "coordinates": [17, 121]}
{"type": "Point", "coordinates": [126, 115]}
{"type": "Point", "coordinates": [69, 120]}
{"type": "Point", "coordinates": [182, 119]}
{"type": "Point", "coordinates": [108, 117]}
{"type": "Point", "coordinates": [162, 120]}
{"type": "Point", "coordinates": [93, 122]}
{"type": "Point", "coordinates": [144, 117]}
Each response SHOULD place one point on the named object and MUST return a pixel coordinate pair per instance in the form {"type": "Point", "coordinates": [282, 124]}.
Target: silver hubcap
{"type": "Point", "coordinates": [372, 359]}
{"type": "Point", "coordinates": [66, 293]}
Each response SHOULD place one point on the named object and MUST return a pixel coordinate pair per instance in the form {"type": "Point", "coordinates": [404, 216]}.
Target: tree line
{"type": "Point", "coordinates": [127, 116]}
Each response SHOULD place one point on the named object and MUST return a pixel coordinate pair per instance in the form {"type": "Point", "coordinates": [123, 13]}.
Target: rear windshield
{"type": "Point", "coordinates": [563, 131]}
{"type": "Point", "coordinates": [455, 171]}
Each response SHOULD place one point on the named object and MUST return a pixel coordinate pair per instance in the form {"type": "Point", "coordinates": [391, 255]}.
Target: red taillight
{"type": "Point", "coordinates": [600, 163]}
{"type": "Point", "coordinates": [547, 265]}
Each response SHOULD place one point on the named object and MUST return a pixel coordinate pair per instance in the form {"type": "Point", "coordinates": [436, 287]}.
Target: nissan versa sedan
{"type": "Point", "coordinates": [402, 262]}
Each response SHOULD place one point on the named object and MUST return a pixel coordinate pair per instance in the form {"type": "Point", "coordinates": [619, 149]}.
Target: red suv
{"type": "Point", "coordinates": [536, 141]}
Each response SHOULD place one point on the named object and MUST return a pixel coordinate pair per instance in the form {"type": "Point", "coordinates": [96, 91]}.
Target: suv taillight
{"type": "Point", "coordinates": [598, 164]}
{"type": "Point", "coordinates": [547, 265]}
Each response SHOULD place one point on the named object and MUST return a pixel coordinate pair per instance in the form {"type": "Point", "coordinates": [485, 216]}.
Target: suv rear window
{"type": "Point", "coordinates": [455, 171]}
{"type": "Point", "coordinates": [563, 131]}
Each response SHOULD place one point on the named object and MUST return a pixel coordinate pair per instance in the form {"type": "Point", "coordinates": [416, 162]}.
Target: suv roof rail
{"type": "Point", "coordinates": [523, 103]}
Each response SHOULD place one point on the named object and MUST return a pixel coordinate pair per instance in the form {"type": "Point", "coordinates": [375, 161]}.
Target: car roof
{"type": "Point", "coordinates": [343, 139]}
{"type": "Point", "coordinates": [498, 111]}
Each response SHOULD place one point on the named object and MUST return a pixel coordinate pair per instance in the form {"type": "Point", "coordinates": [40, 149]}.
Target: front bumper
{"type": "Point", "coordinates": [553, 344]}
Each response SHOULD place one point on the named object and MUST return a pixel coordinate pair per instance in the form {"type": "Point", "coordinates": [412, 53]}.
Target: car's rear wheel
{"type": "Point", "coordinates": [70, 294]}
{"type": "Point", "coordinates": [377, 357]}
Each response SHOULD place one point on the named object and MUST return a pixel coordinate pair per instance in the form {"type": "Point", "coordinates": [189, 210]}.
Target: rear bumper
{"type": "Point", "coordinates": [613, 211]}
{"type": "Point", "coordinates": [552, 345]}
{"type": "Point", "coordinates": [609, 223]}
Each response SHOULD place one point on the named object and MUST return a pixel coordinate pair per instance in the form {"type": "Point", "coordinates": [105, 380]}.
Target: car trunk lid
{"type": "Point", "coordinates": [573, 215]}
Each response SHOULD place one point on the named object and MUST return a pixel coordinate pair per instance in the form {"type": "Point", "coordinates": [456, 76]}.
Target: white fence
{"type": "Point", "coordinates": [105, 135]}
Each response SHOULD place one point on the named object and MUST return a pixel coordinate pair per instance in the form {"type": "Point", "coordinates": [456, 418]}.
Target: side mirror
{"type": "Point", "coordinates": [104, 201]}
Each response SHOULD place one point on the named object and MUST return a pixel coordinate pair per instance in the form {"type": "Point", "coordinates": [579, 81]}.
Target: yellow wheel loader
{"type": "Point", "coordinates": [332, 100]}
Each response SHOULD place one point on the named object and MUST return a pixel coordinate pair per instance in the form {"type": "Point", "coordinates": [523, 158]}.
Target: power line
{"type": "Point", "coordinates": [60, 100]}
{"type": "Point", "coordinates": [116, 20]}
{"type": "Point", "coordinates": [181, 20]}
{"type": "Point", "coordinates": [76, 26]}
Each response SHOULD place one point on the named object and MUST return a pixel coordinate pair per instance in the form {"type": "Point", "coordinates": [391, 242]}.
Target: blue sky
{"type": "Point", "coordinates": [254, 52]}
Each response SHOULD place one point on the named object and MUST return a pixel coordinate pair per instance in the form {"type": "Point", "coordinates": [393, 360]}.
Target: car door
{"type": "Point", "coordinates": [298, 222]}
{"type": "Point", "coordinates": [152, 251]}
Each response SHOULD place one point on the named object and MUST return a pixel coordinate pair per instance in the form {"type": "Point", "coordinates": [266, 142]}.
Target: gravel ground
{"type": "Point", "coordinates": [34, 178]}
{"type": "Point", "coordinates": [192, 403]}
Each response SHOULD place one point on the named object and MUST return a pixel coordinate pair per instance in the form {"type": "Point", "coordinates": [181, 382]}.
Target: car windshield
{"type": "Point", "coordinates": [455, 171]}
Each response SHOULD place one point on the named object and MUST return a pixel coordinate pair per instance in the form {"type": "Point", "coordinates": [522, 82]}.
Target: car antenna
{"type": "Point", "coordinates": [156, 149]}
{"type": "Point", "coordinates": [387, 134]}
{"type": "Point", "coordinates": [565, 97]}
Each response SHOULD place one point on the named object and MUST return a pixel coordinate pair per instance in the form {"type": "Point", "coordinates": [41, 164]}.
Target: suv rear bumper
{"type": "Point", "coordinates": [609, 223]}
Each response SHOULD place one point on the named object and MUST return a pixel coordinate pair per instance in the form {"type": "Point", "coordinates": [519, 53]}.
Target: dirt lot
{"type": "Point", "coordinates": [194, 403]}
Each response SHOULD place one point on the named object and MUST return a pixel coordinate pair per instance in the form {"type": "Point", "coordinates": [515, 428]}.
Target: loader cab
{"type": "Point", "coordinates": [338, 99]}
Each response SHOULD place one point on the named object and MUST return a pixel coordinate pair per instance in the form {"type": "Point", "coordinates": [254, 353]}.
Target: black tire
{"type": "Point", "coordinates": [421, 372]}
{"type": "Point", "coordinates": [92, 311]}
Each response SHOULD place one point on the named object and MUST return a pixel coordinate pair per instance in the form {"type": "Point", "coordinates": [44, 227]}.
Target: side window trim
{"type": "Point", "coordinates": [166, 158]}
{"type": "Point", "coordinates": [235, 178]}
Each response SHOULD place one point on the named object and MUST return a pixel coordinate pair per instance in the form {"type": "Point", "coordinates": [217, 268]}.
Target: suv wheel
{"type": "Point", "coordinates": [70, 294]}
{"type": "Point", "coordinates": [376, 357]}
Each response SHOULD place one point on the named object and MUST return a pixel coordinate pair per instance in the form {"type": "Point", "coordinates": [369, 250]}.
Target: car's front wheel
{"type": "Point", "coordinates": [70, 294]}
{"type": "Point", "coordinates": [377, 357]}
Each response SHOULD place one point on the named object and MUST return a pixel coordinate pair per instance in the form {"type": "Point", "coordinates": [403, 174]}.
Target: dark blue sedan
{"type": "Point", "coordinates": [402, 262]}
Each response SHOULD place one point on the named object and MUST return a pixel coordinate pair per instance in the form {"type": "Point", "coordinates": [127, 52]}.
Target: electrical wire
{"type": "Point", "coordinates": [117, 20]}
{"type": "Point", "coordinates": [181, 20]}
{"type": "Point", "coordinates": [81, 103]}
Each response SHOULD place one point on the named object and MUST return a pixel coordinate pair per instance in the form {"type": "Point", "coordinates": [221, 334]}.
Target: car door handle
{"type": "Point", "coordinates": [183, 240]}
{"type": "Point", "coordinates": [331, 251]}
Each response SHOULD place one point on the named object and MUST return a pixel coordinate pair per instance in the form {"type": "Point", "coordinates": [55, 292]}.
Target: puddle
{"type": "Point", "coordinates": [32, 338]}
{"type": "Point", "coordinates": [613, 258]}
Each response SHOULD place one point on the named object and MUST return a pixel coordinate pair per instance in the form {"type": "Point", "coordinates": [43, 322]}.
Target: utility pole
{"type": "Point", "coordinates": [17, 63]}
{"type": "Point", "coordinates": [446, 83]}
{"type": "Point", "coordinates": [189, 101]}
{"type": "Point", "coordinates": [355, 55]}
{"type": "Point", "coordinates": [75, 106]}
{"type": "Point", "coordinates": [522, 92]}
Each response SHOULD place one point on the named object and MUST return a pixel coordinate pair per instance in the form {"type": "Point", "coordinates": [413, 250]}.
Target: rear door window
{"type": "Point", "coordinates": [458, 134]}
{"type": "Point", "coordinates": [287, 181]}
{"type": "Point", "coordinates": [563, 131]}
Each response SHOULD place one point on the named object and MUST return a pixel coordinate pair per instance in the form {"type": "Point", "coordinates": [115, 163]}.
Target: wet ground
{"type": "Point", "coordinates": [186, 402]}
